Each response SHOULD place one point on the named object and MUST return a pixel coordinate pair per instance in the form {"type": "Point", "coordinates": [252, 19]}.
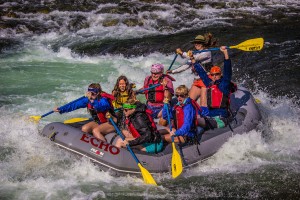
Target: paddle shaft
{"type": "Point", "coordinates": [255, 44]}
{"type": "Point", "coordinates": [48, 113]}
{"type": "Point", "coordinates": [169, 121]}
{"type": "Point", "coordinates": [210, 49]}
{"type": "Point", "coordinates": [168, 114]}
{"type": "Point", "coordinates": [149, 88]}
{"type": "Point", "coordinates": [176, 163]}
{"type": "Point", "coordinates": [173, 62]}
{"type": "Point", "coordinates": [123, 138]}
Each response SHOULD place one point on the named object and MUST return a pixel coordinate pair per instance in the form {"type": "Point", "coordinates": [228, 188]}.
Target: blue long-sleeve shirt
{"type": "Point", "coordinates": [223, 85]}
{"type": "Point", "coordinates": [99, 105]}
{"type": "Point", "coordinates": [188, 127]}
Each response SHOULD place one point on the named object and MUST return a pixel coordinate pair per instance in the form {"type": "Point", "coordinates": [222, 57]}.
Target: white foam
{"type": "Point", "coordinates": [276, 141]}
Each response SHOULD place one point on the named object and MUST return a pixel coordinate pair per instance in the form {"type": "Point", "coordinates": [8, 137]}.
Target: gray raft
{"type": "Point", "coordinates": [120, 161]}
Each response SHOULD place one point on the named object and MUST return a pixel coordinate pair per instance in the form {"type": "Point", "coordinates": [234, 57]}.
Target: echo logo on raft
{"type": "Point", "coordinates": [100, 144]}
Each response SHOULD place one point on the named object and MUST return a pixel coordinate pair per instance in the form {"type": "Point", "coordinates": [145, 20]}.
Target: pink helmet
{"type": "Point", "coordinates": [157, 68]}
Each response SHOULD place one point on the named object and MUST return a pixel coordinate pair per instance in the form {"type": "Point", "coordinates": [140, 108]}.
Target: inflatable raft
{"type": "Point", "coordinates": [120, 161]}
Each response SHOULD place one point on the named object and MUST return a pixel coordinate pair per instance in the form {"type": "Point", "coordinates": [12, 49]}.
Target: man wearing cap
{"type": "Point", "coordinates": [155, 96]}
{"type": "Point", "coordinates": [200, 42]}
{"type": "Point", "coordinates": [218, 92]}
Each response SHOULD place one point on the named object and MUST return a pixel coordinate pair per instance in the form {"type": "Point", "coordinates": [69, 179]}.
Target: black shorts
{"type": "Point", "coordinates": [216, 122]}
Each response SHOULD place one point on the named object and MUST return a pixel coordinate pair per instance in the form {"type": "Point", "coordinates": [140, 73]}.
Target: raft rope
{"type": "Point", "coordinates": [52, 135]}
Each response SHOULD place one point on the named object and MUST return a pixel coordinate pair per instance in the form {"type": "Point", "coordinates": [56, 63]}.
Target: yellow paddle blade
{"type": "Point", "coordinates": [176, 162]}
{"type": "Point", "coordinates": [148, 179]}
{"type": "Point", "coordinates": [250, 45]}
{"type": "Point", "coordinates": [35, 118]}
{"type": "Point", "coordinates": [74, 120]}
{"type": "Point", "coordinates": [257, 100]}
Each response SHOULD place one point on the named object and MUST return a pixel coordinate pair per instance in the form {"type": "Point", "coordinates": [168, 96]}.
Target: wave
{"type": "Point", "coordinates": [135, 19]}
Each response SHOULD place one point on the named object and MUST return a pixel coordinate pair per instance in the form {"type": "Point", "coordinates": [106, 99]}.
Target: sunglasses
{"type": "Point", "coordinates": [216, 74]}
{"type": "Point", "coordinates": [93, 93]}
{"type": "Point", "coordinates": [155, 73]}
{"type": "Point", "coordinates": [180, 95]}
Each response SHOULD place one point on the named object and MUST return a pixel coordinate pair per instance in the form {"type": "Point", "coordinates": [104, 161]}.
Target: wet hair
{"type": "Point", "coordinates": [210, 41]}
{"type": "Point", "coordinates": [128, 88]}
{"type": "Point", "coordinates": [182, 89]}
{"type": "Point", "coordinates": [96, 86]}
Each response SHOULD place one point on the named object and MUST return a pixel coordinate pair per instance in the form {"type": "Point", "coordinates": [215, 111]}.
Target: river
{"type": "Point", "coordinates": [50, 51]}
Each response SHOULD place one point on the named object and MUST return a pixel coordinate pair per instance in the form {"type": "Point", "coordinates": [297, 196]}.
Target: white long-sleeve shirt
{"type": "Point", "coordinates": [203, 58]}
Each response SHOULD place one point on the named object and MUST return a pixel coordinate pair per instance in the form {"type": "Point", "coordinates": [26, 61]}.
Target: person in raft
{"type": "Point", "coordinates": [155, 96]}
{"type": "Point", "coordinates": [201, 42]}
{"type": "Point", "coordinates": [98, 104]}
{"type": "Point", "coordinates": [219, 88]}
{"type": "Point", "coordinates": [183, 116]}
{"type": "Point", "coordinates": [123, 90]}
{"type": "Point", "coordinates": [141, 130]}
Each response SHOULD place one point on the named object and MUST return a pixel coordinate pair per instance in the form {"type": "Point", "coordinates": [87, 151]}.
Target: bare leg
{"type": "Point", "coordinates": [127, 134]}
{"type": "Point", "coordinates": [162, 122]}
{"type": "Point", "coordinates": [163, 131]}
{"type": "Point", "coordinates": [194, 92]}
{"type": "Point", "coordinates": [168, 139]}
{"type": "Point", "coordinates": [101, 130]}
{"type": "Point", "coordinates": [88, 128]}
{"type": "Point", "coordinates": [120, 141]}
{"type": "Point", "coordinates": [203, 97]}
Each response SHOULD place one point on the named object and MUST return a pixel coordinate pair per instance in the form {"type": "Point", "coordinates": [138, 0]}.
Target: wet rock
{"type": "Point", "coordinates": [110, 22]}
{"type": "Point", "coordinates": [22, 25]}
{"type": "Point", "coordinates": [132, 22]}
{"type": "Point", "coordinates": [8, 43]}
{"type": "Point", "coordinates": [11, 14]}
{"type": "Point", "coordinates": [77, 22]}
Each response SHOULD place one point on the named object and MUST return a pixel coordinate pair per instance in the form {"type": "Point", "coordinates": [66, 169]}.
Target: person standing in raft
{"type": "Point", "coordinates": [141, 131]}
{"type": "Point", "coordinates": [183, 116]}
{"type": "Point", "coordinates": [155, 96]}
{"type": "Point", "coordinates": [201, 42]}
{"type": "Point", "coordinates": [219, 88]}
{"type": "Point", "coordinates": [98, 104]}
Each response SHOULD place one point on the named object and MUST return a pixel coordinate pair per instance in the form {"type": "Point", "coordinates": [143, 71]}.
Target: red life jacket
{"type": "Point", "coordinates": [133, 130]}
{"type": "Point", "coordinates": [100, 116]}
{"type": "Point", "coordinates": [179, 114]}
{"type": "Point", "coordinates": [109, 97]}
{"type": "Point", "coordinates": [156, 95]}
{"type": "Point", "coordinates": [216, 98]}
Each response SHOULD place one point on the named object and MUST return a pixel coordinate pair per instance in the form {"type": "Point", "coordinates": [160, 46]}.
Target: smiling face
{"type": "Point", "coordinates": [215, 73]}
{"type": "Point", "coordinates": [215, 76]}
{"type": "Point", "coordinates": [122, 85]}
{"type": "Point", "coordinates": [156, 76]}
{"type": "Point", "coordinates": [198, 46]}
